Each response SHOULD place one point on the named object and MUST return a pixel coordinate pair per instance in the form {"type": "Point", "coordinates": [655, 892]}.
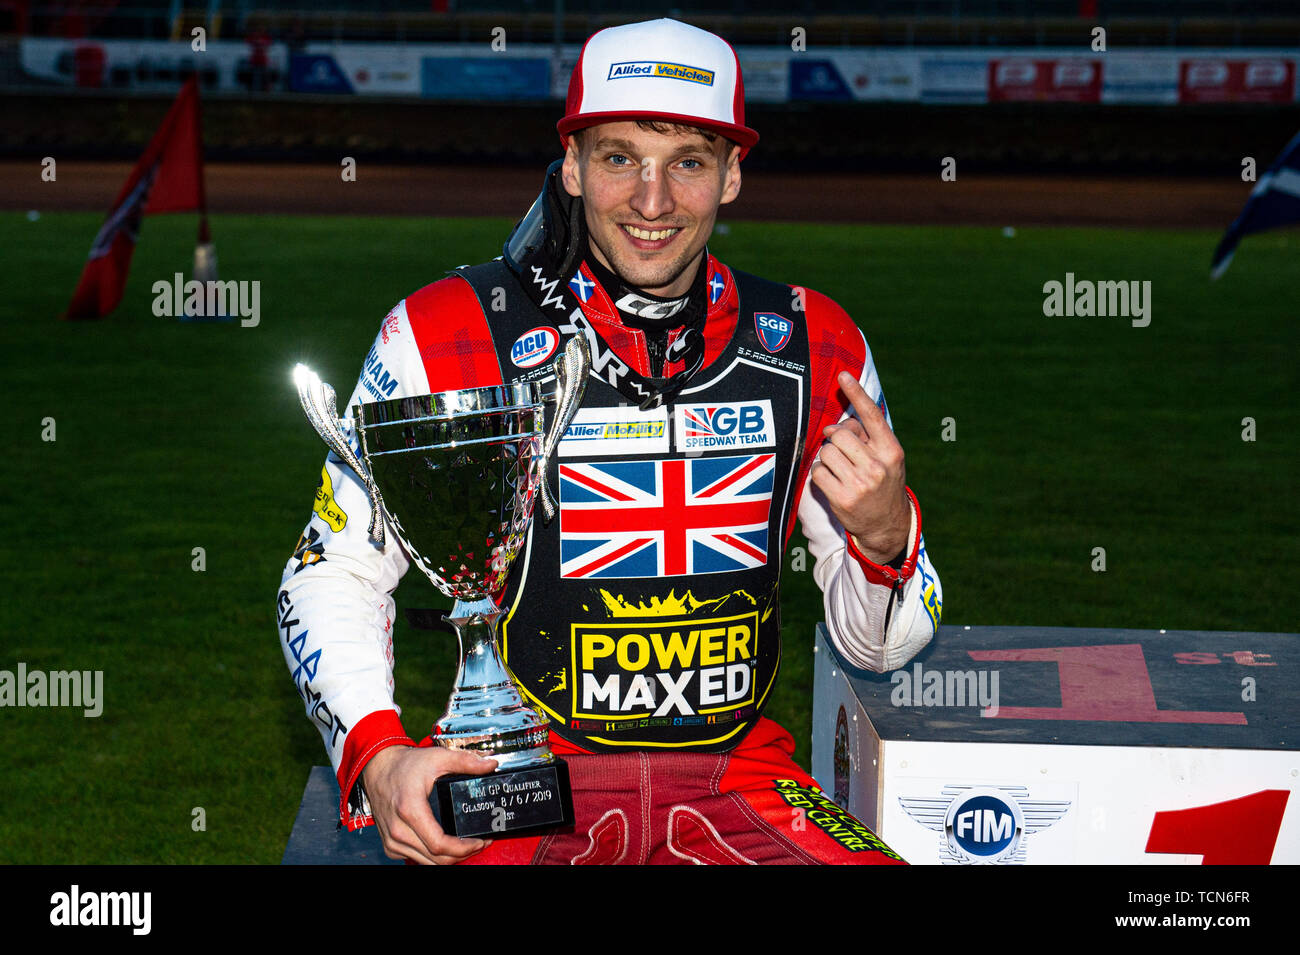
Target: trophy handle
{"type": "Point", "coordinates": [571, 370]}
{"type": "Point", "coordinates": [319, 403]}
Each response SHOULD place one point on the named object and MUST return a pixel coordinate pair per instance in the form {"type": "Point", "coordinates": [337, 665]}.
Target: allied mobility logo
{"type": "Point", "coordinates": [534, 346]}
{"type": "Point", "coordinates": [773, 330]}
{"type": "Point", "coordinates": [597, 431]}
{"type": "Point", "coordinates": [984, 825]}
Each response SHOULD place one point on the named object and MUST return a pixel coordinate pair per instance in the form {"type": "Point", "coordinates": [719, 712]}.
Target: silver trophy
{"type": "Point", "coordinates": [455, 475]}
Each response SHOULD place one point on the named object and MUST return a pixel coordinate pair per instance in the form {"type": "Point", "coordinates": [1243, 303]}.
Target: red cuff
{"type": "Point", "coordinates": [883, 575]}
{"type": "Point", "coordinates": [377, 731]}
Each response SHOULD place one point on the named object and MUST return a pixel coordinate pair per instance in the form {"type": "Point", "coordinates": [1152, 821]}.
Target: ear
{"type": "Point", "coordinates": [571, 171]}
{"type": "Point", "coordinates": [731, 175]}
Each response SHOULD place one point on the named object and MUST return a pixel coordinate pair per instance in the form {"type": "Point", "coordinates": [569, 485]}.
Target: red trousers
{"type": "Point", "coordinates": [753, 805]}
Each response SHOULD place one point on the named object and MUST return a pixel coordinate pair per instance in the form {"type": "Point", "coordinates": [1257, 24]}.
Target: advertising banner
{"type": "Point", "coordinates": [1072, 80]}
{"type": "Point", "coordinates": [775, 74]}
{"type": "Point", "coordinates": [154, 65]}
{"type": "Point", "coordinates": [1261, 80]}
{"type": "Point", "coordinates": [854, 75]}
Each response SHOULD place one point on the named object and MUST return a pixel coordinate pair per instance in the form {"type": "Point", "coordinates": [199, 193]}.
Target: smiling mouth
{"type": "Point", "coordinates": [650, 235]}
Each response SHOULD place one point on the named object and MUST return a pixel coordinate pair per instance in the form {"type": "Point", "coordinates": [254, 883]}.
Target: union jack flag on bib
{"type": "Point", "coordinates": [665, 518]}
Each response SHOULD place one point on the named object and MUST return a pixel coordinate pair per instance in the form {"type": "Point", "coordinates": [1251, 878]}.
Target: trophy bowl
{"type": "Point", "coordinates": [468, 465]}
{"type": "Point", "coordinates": [459, 473]}
{"type": "Point", "coordinates": [456, 476]}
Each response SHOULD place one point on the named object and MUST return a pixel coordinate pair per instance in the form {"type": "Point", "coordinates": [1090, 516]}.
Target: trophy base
{"type": "Point", "coordinates": [505, 803]}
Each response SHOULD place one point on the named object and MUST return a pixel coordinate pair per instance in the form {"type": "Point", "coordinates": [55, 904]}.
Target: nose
{"type": "Point", "coordinates": [653, 196]}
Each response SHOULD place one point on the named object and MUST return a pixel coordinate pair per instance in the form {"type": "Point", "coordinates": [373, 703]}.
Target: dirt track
{"type": "Point", "coordinates": [473, 190]}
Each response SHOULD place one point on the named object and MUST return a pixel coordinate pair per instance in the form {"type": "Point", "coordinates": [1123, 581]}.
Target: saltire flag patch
{"type": "Point", "coordinates": [665, 518]}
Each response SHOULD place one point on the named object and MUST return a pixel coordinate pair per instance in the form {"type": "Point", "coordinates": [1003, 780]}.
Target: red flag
{"type": "Point", "coordinates": [167, 178]}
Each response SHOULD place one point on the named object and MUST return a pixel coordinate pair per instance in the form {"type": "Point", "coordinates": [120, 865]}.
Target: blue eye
{"type": "Point", "coordinates": [618, 156]}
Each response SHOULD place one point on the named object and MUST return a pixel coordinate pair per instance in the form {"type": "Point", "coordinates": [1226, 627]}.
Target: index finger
{"type": "Point", "coordinates": [869, 413]}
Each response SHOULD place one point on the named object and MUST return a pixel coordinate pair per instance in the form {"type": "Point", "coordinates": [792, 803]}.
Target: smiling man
{"type": "Point", "coordinates": [645, 620]}
{"type": "Point", "coordinates": [651, 192]}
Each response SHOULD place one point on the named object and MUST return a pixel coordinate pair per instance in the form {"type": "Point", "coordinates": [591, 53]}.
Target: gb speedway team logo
{"type": "Point", "coordinates": [733, 424]}
{"type": "Point", "coordinates": [983, 825]}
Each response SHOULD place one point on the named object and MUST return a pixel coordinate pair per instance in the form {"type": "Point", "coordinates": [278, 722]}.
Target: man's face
{"type": "Point", "coordinates": [651, 199]}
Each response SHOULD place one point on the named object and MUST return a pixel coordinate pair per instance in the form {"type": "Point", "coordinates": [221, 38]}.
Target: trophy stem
{"type": "Point", "coordinates": [487, 712]}
{"type": "Point", "coordinates": [481, 666]}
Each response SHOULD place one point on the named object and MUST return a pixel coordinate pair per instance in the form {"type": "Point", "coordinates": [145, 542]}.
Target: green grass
{"type": "Point", "coordinates": [1072, 433]}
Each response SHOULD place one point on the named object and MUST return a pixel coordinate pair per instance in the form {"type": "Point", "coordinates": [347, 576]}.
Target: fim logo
{"type": "Point", "coordinates": [983, 825]}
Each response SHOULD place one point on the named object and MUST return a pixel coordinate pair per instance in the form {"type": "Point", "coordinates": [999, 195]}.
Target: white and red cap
{"type": "Point", "coordinates": [663, 70]}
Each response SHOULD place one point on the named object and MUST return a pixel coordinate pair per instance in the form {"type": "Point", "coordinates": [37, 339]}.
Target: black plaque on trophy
{"type": "Point", "coordinates": [513, 802]}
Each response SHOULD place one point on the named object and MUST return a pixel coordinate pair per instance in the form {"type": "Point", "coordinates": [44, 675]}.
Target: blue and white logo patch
{"type": "Point", "coordinates": [984, 824]}
{"type": "Point", "coordinates": [716, 287]}
{"type": "Point", "coordinates": [534, 346]}
{"type": "Point", "coordinates": [773, 331]}
{"type": "Point", "coordinates": [581, 286]}
{"type": "Point", "coordinates": [733, 424]}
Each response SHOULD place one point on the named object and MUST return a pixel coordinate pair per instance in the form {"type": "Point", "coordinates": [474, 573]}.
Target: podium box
{"type": "Point", "coordinates": [317, 839]}
{"type": "Point", "coordinates": [1064, 745]}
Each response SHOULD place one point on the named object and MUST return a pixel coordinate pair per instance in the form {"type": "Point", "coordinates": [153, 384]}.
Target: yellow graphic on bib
{"type": "Point", "coordinates": [663, 668]}
{"type": "Point", "coordinates": [326, 506]}
{"type": "Point", "coordinates": [670, 606]}
{"type": "Point", "coordinates": [657, 663]}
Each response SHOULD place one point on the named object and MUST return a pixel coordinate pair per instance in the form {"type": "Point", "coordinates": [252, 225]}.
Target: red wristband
{"type": "Point", "coordinates": [881, 573]}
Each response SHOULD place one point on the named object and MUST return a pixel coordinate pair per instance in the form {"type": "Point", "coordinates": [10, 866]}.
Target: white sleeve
{"type": "Point", "coordinates": [878, 618]}
{"type": "Point", "coordinates": [335, 607]}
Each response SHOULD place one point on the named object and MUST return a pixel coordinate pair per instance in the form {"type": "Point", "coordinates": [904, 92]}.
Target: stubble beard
{"type": "Point", "coordinates": [645, 276]}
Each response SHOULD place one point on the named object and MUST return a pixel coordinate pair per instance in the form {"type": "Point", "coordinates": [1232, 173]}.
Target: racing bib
{"type": "Point", "coordinates": [647, 613]}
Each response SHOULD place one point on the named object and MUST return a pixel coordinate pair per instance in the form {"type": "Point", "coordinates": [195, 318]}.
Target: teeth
{"type": "Point", "coordinates": [646, 234]}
